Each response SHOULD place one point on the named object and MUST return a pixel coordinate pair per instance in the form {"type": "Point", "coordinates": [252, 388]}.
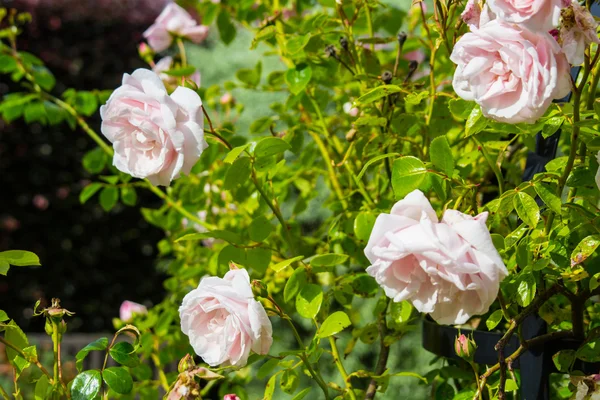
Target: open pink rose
{"type": "Point", "coordinates": [537, 15]}
{"type": "Point", "coordinates": [174, 21]}
{"type": "Point", "coordinates": [224, 321]}
{"type": "Point", "coordinates": [154, 135]}
{"type": "Point", "coordinates": [449, 269]}
{"type": "Point", "coordinates": [165, 64]}
{"type": "Point", "coordinates": [577, 31]}
{"type": "Point", "coordinates": [129, 308]}
{"type": "Point", "coordinates": [511, 72]}
{"type": "Point", "coordinates": [477, 14]}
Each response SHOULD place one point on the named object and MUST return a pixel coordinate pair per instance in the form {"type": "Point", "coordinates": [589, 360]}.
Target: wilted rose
{"type": "Point", "coordinates": [511, 72]}
{"type": "Point", "coordinates": [577, 31]}
{"type": "Point", "coordinates": [154, 135]}
{"type": "Point", "coordinates": [449, 269]}
{"type": "Point", "coordinates": [174, 21]}
{"type": "Point", "coordinates": [224, 321]}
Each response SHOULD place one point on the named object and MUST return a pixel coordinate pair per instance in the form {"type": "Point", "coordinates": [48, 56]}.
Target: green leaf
{"type": "Point", "coordinates": [285, 263]}
{"type": "Point", "coordinates": [42, 388]}
{"type": "Point", "coordinates": [494, 319]}
{"type": "Point", "coordinates": [552, 125]}
{"type": "Point", "coordinates": [265, 33]}
{"type": "Point", "coordinates": [94, 161]}
{"type": "Point", "coordinates": [460, 108]}
{"type": "Point", "coordinates": [376, 94]}
{"type": "Point", "coordinates": [475, 123]}
{"type": "Point", "coordinates": [369, 120]}
{"type": "Point", "coordinates": [226, 28]}
{"type": "Point", "coordinates": [118, 379]}
{"type": "Point", "coordinates": [35, 112]}
{"type": "Point", "coordinates": [43, 77]}
{"type": "Point", "coordinates": [124, 354]}
{"type": "Point", "coordinates": [510, 385]}
{"type": "Point", "coordinates": [309, 300]}
{"type": "Point", "coordinates": [3, 316]}
{"type": "Point", "coordinates": [261, 125]}
{"type": "Point", "coordinates": [328, 260]}
{"type": "Point", "coordinates": [234, 153]}
{"type": "Point", "coordinates": [294, 283]}
{"type": "Point", "coordinates": [14, 335]}
{"type": "Point", "coordinates": [527, 209]}
{"type": "Point", "coordinates": [563, 360]}
{"type": "Point", "coordinates": [584, 249]}
{"type": "Point", "coordinates": [98, 344]}
{"type": "Point", "coordinates": [363, 225]}
{"type": "Point", "coordinates": [19, 258]}
{"type": "Point", "coordinates": [270, 146]}
{"type": "Point", "coordinates": [298, 78]}
{"type": "Point", "coordinates": [289, 381]}
{"type": "Point", "coordinates": [297, 43]}
{"type": "Point", "coordinates": [109, 197]}
{"type": "Point", "coordinates": [548, 197]}
{"type": "Point", "coordinates": [526, 289]}
{"type": "Point", "coordinates": [258, 258]}
{"type": "Point", "coordinates": [179, 72]}
{"type": "Point", "coordinates": [89, 191]}
{"type": "Point", "coordinates": [270, 388]}
{"type": "Point", "coordinates": [415, 98]}
{"type": "Point", "coordinates": [249, 76]}
{"type": "Point", "coordinates": [267, 368]}
{"type": "Point", "coordinates": [302, 394]}
{"type": "Point", "coordinates": [441, 155]}
{"type": "Point", "coordinates": [237, 174]}
{"type": "Point", "coordinates": [86, 385]}
{"type": "Point", "coordinates": [335, 323]}
{"type": "Point", "coordinates": [128, 195]}
{"type": "Point", "coordinates": [589, 351]}
{"type": "Point", "coordinates": [408, 174]}
{"type": "Point", "coordinates": [260, 229]}
{"type": "Point", "coordinates": [230, 237]}
{"type": "Point", "coordinates": [7, 64]}
{"type": "Point", "coordinates": [373, 161]}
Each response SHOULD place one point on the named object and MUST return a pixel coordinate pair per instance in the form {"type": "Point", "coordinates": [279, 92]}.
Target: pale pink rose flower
{"type": "Point", "coordinates": [449, 269]}
{"type": "Point", "coordinates": [226, 99]}
{"type": "Point", "coordinates": [174, 21]}
{"type": "Point", "coordinates": [129, 308]}
{"type": "Point", "coordinates": [231, 397]}
{"type": "Point", "coordinates": [351, 111]}
{"type": "Point", "coordinates": [224, 321]}
{"type": "Point", "coordinates": [577, 31]}
{"type": "Point", "coordinates": [154, 135]}
{"type": "Point", "coordinates": [537, 15]}
{"type": "Point", "coordinates": [598, 173]}
{"type": "Point", "coordinates": [511, 72]}
{"type": "Point", "coordinates": [165, 64]}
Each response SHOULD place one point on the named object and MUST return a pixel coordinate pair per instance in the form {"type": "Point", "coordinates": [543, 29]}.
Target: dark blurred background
{"type": "Point", "coordinates": [91, 260]}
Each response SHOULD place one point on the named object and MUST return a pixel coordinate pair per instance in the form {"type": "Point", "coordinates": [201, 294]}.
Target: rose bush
{"type": "Point", "coordinates": [288, 275]}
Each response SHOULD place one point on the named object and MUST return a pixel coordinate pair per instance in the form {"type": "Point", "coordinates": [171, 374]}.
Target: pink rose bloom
{"type": "Point", "coordinates": [511, 72]}
{"type": "Point", "coordinates": [224, 321]}
{"type": "Point", "coordinates": [164, 64]}
{"type": "Point", "coordinates": [351, 111]}
{"type": "Point", "coordinates": [154, 135]}
{"type": "Point", "coordinates": [449, 269]}
{"type": "Point", "coordinates": [129, 308]}
{"type": "Point", "coordinates": [537, 15]}
{"type": "Point", "coordinates": [577, 31]}
{"type": "Point", "coordinates": [231, 397]}
{"type": "Point", "coordinates": [174, 21]}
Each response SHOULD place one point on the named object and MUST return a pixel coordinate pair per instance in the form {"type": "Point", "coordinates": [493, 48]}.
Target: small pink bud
{"type": "Point", "coordinates": [231, 397]}
{"type": "Point", "coordinates": [464, 347]}
{"type": "Point", "coordinates": [129, 309]}
{"type": "Point", "coordinates": [227, 98]}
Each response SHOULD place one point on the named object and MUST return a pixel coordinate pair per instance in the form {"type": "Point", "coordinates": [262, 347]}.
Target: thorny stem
{"type": "Point", "coordinates": [340, 367]}
{"type": "Point", "coordinates": [56, 338]}
{"type": "Point", "coordinates": [384, 353]}
{"type": "Point", "coordinates": [182, 54]}
{"type": "Point", "coordinates": [514, 323]}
